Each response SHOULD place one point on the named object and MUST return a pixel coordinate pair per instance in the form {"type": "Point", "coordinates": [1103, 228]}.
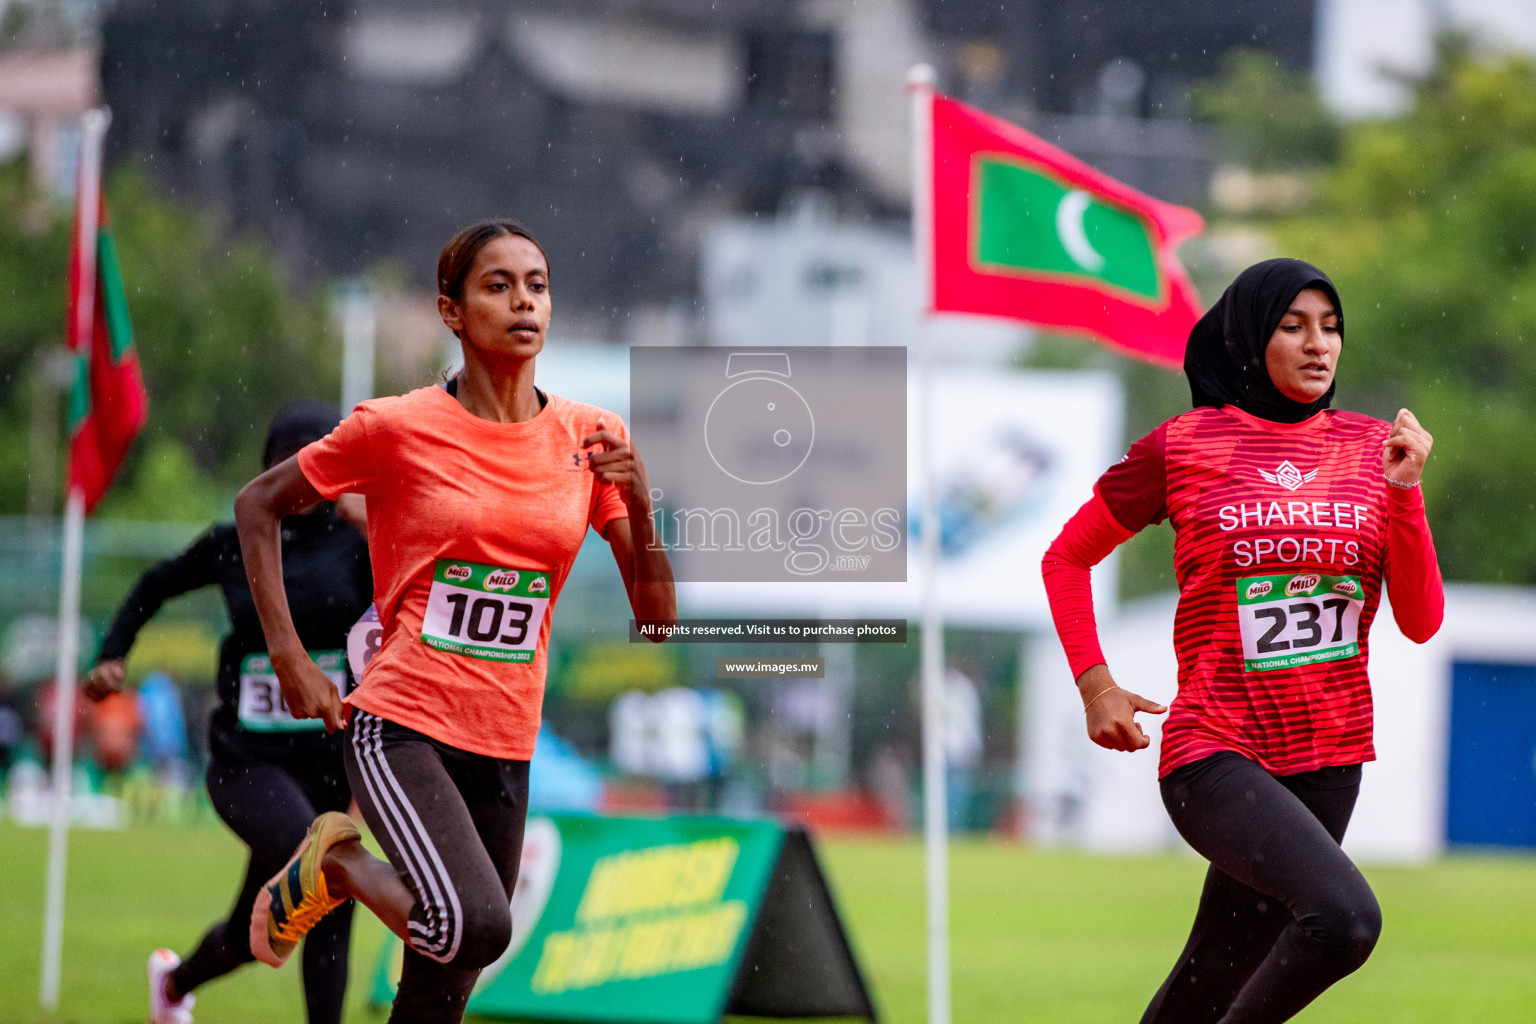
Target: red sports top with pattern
{"type": "Point", "coordinates": [1284, 534]}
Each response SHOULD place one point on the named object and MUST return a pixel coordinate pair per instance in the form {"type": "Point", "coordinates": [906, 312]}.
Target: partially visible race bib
{"type": "Point", "coordinates": [363, 641]}
{"type": "Point", "coordinates": [1298, 619]}
{"type": "Point", "coordinates": [485, 612]}
{"type": "Point", "coordinates": [261, 696]}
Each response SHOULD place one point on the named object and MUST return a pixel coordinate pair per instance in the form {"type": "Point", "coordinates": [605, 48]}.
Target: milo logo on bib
{"type": "Point", "coordinates": [506, 579]}
{"type": "Point", "coordinates": [485, 611]}
{"type": "Point", "coordinates": [1302, 584]}
{"type": "Point", "coordinates": [1259, 589]}
{"type": "Point", "coordinates": [1298, 619]}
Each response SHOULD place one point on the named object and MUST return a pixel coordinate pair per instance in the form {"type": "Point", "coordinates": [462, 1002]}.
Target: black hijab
{"type": "Point", "coordinates": [296, 425]}
{"type": "Point", "coordinates": [1224, 359]}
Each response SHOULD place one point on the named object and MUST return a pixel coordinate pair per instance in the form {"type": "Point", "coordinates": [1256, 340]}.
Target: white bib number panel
{"type": "Point", "coordinates": [363, 641]}
{"type": "Point", "coordinates": [262, 708]}
{"type": "Point", "coordinates": [1298, 619]}
{"type": "Point", "coordinates": [482, 611]}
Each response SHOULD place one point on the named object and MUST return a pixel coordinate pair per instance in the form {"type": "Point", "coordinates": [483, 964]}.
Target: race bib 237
{"type": "Point", "coordinates": [1298, 619]}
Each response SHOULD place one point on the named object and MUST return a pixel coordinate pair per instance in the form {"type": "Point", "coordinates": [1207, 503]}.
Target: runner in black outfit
{"type": "Point", "coordinates": [269, 774]}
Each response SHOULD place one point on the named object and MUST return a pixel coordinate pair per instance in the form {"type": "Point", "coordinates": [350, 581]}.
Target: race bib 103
{"type": "Point", "coordinates": [485, 612]}
{"type": "Point", "coordinates": [262, 708]}
{"type": "Point", "coordinates": [1298, 619]}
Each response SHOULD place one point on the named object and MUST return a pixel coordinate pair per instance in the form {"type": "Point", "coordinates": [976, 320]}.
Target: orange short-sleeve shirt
{"type": "Point", "coordinates": [472, 529]}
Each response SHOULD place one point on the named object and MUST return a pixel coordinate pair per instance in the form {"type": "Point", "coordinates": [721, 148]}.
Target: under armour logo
{"type": "Point", "coordinates": [1287, 476]}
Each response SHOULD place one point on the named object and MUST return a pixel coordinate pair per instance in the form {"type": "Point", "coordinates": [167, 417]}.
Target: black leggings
{"type": "Point", "coordinates": [270, 808]}
{"type": "Point", "coordinates": [1284, 913]}
{"type": "Point", "coordinates": [451, 823]}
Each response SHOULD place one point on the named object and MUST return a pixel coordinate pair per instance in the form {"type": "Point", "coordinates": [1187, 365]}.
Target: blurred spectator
{"type": "Point", "coordinates": [724, 726]}
{"type": "Point", "coordinates": [165, 727]}
{"type": "Point", "coordinates": [115, 725]}
{"type": "Point", "coordinates": [45, 718]}
{"type": "Point", "coordinates": [629, 729]}
{"type": "Point", "coordinates": [680, 756]}
{"type": "Point", "coordinates": [10, 728]}
{"type": "Point", "coordinates": [685, 738]}
{"type": "Point", "coordinates": [889, 775]}
{"type": "Point", "coordinates": [559, 778]}
{"type": "Point", "coordinates": [962, 744]}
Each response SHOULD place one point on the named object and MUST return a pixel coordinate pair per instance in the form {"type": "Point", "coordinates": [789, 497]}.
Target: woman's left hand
{"type": "Point", "coordinates": [618, 464]}
{"type": "Point", "coordinates": [1406, 450]}
{"type": "Point", "coordinates": [641, 558]}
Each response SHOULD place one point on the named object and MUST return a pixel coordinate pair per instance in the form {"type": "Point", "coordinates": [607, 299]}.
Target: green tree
{"type": "Point", "coordinates": [1270, 117]}
{"type": "Point", "coordinates": [224, 339]}
{"type": "Point", "coordinates": [1428, 225]}
{"type": "Point", "coordinates": [34, 253]}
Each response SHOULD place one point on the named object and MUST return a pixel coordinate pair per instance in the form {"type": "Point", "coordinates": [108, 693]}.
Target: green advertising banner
{"type": "Point", "coordinates": [665, 920]}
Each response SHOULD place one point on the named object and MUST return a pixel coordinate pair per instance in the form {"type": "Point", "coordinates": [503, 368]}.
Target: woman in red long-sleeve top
{"type": "Point", "coordinates": [1289, 518]}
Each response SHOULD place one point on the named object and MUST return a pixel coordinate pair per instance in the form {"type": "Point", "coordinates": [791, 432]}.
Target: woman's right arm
{"type": "Point", "coordinates": [1136, 488]}
{"type": "Point", "coordinates": [259, 511]}
{"type": "Point", "coordinates": [193, 568]}
{"type": "Point", "coordinates": [1084, 542]}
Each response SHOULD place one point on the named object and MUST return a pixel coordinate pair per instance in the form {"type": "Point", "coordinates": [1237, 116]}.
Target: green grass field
{"type": "Point", "coordinates": [1037, 936]}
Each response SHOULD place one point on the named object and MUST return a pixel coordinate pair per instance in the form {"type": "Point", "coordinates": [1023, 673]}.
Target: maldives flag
{"type": "Point", "coordinates": [1024, 230]}
{"type": "Point", "coordinates": [107, 402]}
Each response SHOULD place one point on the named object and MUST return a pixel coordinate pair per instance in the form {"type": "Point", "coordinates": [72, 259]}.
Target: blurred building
{"type": "Point", "coordinates": [42, 95]}
{"type": "Point", "coordinates": [49, 76]}
{"type": "Point", "coordinates": [621, 129]}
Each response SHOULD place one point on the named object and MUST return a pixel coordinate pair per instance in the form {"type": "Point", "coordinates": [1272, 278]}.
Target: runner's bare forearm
{"type": "Point", "coordinates": [259, 511]}
{"type": "Point", "coordinates": [644, 565]}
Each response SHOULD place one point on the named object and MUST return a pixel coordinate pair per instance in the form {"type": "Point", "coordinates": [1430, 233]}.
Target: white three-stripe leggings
{"type": "Point", "coordinates": [451, 823]}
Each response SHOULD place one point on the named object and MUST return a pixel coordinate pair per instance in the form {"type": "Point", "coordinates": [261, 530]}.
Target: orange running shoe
{"type": "Point", "coordinates": [295, 899]}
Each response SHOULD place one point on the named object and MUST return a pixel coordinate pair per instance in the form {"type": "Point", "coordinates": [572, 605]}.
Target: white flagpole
{"type": "Point", "coordinates": [359, 332]}
{"type": "Point", "coordinates": [93, 128]}
{"type": "Point", "coordinates": [920, 82]}
{"type": "Point", "coordinates": [63, 749]}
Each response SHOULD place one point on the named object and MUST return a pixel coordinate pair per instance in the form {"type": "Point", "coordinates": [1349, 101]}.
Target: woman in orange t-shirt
{"type": "Point", "coordinates": [479, 495]}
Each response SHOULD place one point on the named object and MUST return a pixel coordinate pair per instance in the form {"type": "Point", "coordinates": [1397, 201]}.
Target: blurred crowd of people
{"type": "Point", "coordinates": [680, 749]}
{"type": "Point", "coordinates": [792, 749]}
{"type": "Point", "coordinates": [131, 747]}
{"type": "Point", "coordinates": [687, 739]}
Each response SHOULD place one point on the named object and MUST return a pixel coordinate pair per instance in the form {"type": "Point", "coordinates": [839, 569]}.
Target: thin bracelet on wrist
{"type": "Point", "coordinates": [1399, 486]}
{"type": "Point", "coordinates": [1096, 697]}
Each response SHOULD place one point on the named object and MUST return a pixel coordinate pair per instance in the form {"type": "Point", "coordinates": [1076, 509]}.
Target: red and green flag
{"type": "Point", "coordinates": [107, 402]}
{"type": "Point", "coordinates": [1024, 230]}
